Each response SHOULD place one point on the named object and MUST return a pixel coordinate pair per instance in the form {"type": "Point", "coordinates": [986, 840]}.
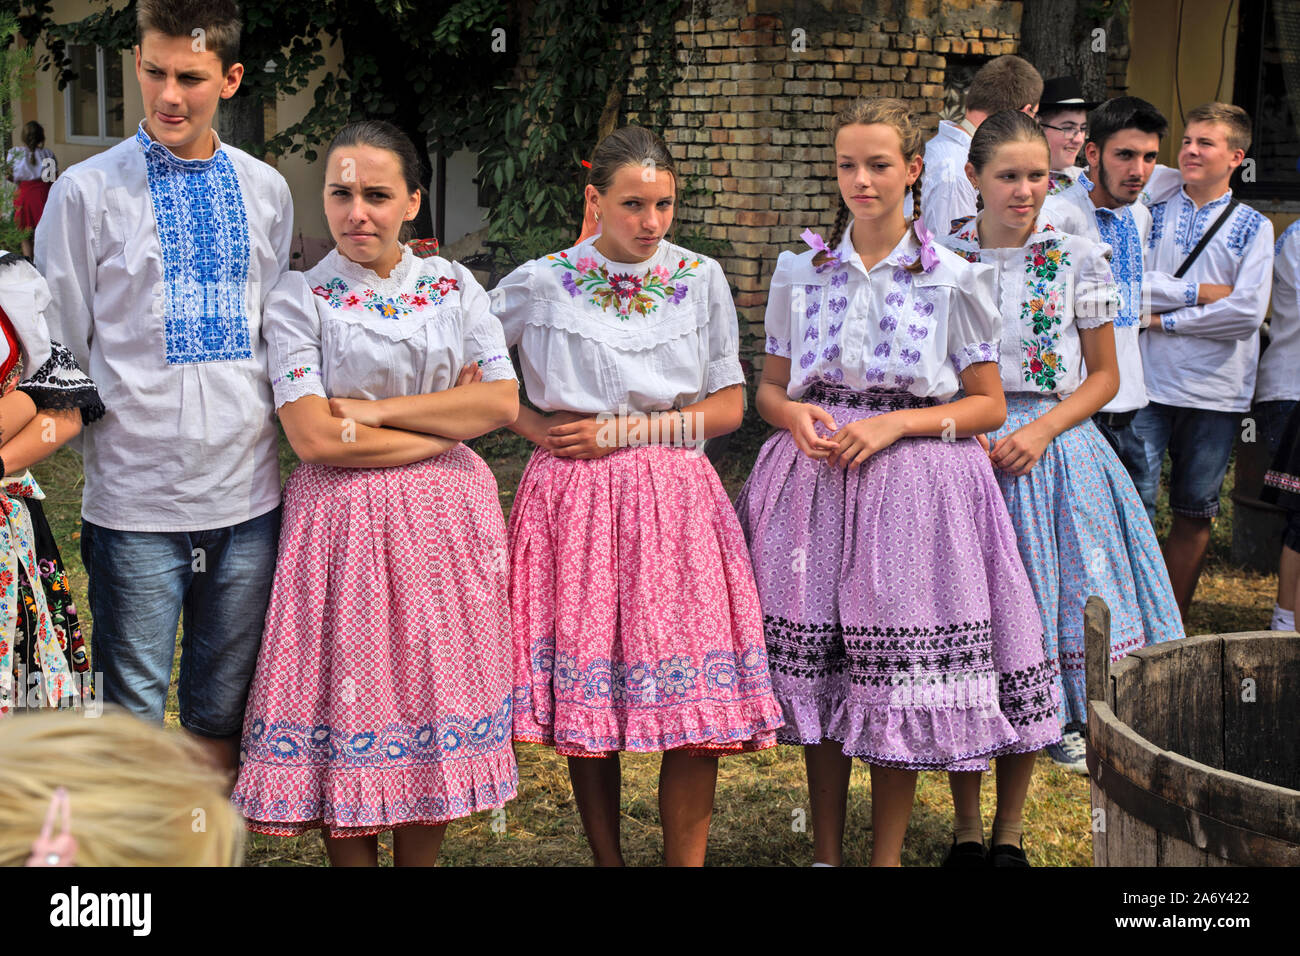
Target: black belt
{"type": "Point", "coordinates": [1114, 419]}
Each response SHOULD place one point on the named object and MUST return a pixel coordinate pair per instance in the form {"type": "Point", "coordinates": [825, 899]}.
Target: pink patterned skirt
{"type": "Point", "coordinates": [382, 695]}
{"type": "Point", "coordinates": [636, 620]}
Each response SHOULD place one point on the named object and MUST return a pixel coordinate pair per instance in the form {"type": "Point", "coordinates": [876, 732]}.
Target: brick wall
{"type": "Point", "coordinates": [749, 118]}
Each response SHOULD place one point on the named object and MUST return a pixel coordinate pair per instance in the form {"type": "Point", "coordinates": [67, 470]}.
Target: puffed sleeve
{"type": "Point", "coordinates": [485, 341]}
{"type": "Point", "coordinates": [67, 255]}
{"type": "Point", "coordinates": [510, 300]}
{"type": "Point", "coordinates": [724, 334]}
{"type": "Point", "coordinates": [1096, 296]}
{"type": "Point", "coordinates": [291, 328]}
{"type": "Point", "coordinates": [777, 319]}
{"type": "Point", "coordinates": [974, 326]}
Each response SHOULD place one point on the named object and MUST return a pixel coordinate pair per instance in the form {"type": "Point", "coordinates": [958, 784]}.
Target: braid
{"type": "Point", "coordinates": [916, 265]}
{"type": "Point", "coordinates": [837, 233]}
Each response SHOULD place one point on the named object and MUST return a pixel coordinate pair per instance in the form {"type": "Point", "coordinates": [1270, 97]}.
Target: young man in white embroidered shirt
{"type": "Point", "coordinates": [1123, 140]}
{"type": "Point", "coordinates": [159, 253]}
{"type": "Point", "coordinates": [1200, 350]}
{"type": "Point", "coordinates": [1003, 83]}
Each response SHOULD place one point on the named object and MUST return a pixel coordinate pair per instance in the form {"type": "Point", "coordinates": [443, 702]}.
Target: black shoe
{"type": "Point", "coordinates": [1006, 854]}
{"type": "Point", "coordinates": [966, 855]}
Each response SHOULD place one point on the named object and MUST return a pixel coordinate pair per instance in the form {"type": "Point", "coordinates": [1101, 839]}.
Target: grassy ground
{"type": "Point", "coordinates": [760, 816]}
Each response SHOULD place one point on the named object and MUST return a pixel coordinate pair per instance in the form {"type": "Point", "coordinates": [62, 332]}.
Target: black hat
{"type": "Point", "coordinates": [1065, 92]}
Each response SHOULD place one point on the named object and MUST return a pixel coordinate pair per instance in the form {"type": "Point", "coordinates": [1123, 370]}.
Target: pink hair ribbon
{"type": "Point", "coordinates": [819, 244]}
{"type": "Point", "coordinates": [929, 258]}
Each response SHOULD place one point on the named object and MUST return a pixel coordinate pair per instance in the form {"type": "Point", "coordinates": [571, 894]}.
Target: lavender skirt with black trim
{"type": "Point", "coordinates": [898, 617]}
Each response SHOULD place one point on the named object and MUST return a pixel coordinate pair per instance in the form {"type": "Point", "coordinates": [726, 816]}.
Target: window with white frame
{"type": "Point", "coordinates": [93, 103]}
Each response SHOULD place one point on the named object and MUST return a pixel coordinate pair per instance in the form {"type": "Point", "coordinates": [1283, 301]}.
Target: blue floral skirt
{"type": "Point", "coordinates": [1082, 530]}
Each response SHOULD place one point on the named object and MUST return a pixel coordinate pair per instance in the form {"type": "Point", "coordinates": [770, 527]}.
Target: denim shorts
{"type": "Point", "coordinates": [1199, 442]}
{"type": "Point", "coordinates": [1127, 445]}
{"type": "Point", "coordinates": [216, 583]}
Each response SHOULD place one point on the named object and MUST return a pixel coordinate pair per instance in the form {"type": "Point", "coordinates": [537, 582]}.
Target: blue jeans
{"type": "Point", "coordinates": [1128, 446]}
{"type": "Point", "coordinates": [144, 583]}
{"type": "Point", "coordinates": [1199, 444]}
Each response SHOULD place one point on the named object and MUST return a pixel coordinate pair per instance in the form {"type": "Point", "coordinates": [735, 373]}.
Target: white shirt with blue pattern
{"type": "Point", "coordinates": [1205, 356]}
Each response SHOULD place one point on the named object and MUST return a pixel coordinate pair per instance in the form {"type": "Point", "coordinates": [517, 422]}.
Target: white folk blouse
{"type": "Point", "coordinates": [883, 327]}
{"type": "Point", "coordinates": [340, 331]}
{"type": "Point", "coordinates": [1046, 291]}
{"type": "Point", "coordinates": [597, 336]}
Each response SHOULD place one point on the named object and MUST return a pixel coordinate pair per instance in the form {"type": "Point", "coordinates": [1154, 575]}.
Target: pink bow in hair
{"type": "Point", "coordinates": [929, 258]}
{"type": "Point", "coordinates": [819, 244]}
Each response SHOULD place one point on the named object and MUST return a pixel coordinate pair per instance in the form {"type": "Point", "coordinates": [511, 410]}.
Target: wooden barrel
{"type": "Point", "coordinates": [1194, 749]}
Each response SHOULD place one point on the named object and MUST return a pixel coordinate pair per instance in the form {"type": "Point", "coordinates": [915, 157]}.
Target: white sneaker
{"type": "Point", "coordinates": [1071, 753]}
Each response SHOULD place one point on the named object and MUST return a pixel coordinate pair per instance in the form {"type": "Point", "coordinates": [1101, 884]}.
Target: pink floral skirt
{"type": "Point", "coordinates": [382, 695]}
{"type": "Point", "coordinates": [636, 621]}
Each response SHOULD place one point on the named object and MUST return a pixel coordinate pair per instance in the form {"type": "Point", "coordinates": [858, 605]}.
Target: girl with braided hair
{"type": "Point", "coordinates": [900, 624]}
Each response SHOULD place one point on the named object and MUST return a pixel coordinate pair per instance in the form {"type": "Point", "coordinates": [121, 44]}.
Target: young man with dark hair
{"type": "Point", "coordinates": [1209, 270]}
{"type": "Point", "coordinates": [1123, 141]}
{"type": "Point", "coordinates": [1003, 83]}
{"type": "Point", "coordinates": [159, 253]}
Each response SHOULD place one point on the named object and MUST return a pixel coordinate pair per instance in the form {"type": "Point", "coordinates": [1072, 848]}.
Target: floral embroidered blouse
{"type": "Point", "coordinates": [340, 331]}
{"type": "Point", "coordinates": [1046, 291]}
{"type": "Point", "coordinates": [595, 334]}
{"type": "Point", "coordinates": [882, 328]}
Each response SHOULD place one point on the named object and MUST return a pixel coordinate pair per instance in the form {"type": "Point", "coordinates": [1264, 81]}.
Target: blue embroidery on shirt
{"type": "Point", "coordinates": [1286, 234]}
{"type": "Point", "coordinates": [203, 232]}
{"type": "Point", "coordinates": [1157, 224]}
{"type": "Point", "coordinates": [1120, 232]}
{"type": "Point", "coordinates": [1193, 222]}
{"type": "Point", "coordinates": [1245, 224]}
{"type": "Point", "coordinates": [1190, 293]}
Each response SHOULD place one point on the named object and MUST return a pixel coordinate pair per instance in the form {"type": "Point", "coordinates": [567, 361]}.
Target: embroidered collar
{"type": "Point", "coordinates": [1212, 204]}
{"type": "Point", "coordinates": [628, 288]}
{"type": "Point", "coordinates": [151, 147]}
{"type": "Point", "coordinates": [1083, 180]}
{"type": "Point", "coordinates": [904, 252]}
{"type": "Point", "coordinates": [359, 275]}
{"type": "Point", "coordinates": [967, 232]}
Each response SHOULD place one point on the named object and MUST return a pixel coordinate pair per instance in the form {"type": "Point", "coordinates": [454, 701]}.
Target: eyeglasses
{"type": "Point", "coordinates": [1069, 129]}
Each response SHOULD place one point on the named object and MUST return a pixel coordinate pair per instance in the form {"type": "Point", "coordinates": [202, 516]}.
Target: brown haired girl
{"type": "Point", "coordinates": [636, 622]}
{"type": "Point", "coordinates": [382, 698]}
{"type": "Point", "coordinates": [1078, 519]}
{"type": "Point", "coordinates": [899, 621]}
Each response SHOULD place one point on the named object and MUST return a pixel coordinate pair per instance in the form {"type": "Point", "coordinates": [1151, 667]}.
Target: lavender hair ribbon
{"type": "Point", "coordinates": [819, 244]}
{"type": "Point", "coordinates": [929, 258]}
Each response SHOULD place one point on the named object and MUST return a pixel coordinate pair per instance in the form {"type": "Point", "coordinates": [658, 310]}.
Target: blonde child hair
{"type": "Point", "coordinates": [139, 795]}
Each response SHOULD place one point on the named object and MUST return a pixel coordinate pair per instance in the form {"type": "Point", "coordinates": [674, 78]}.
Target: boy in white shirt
{"type": "Point", "coordinates": [1123, 140]}
{"type": "Point", "coordinates": [1200, 350]}
{"type": "Point", "coordinates": [1003, 83]}
{"type": "Point", "coordinates": [159, 253]}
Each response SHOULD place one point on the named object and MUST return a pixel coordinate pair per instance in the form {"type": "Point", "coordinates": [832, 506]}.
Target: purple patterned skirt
{"type": "Point", "coordinates": [898, 617]}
